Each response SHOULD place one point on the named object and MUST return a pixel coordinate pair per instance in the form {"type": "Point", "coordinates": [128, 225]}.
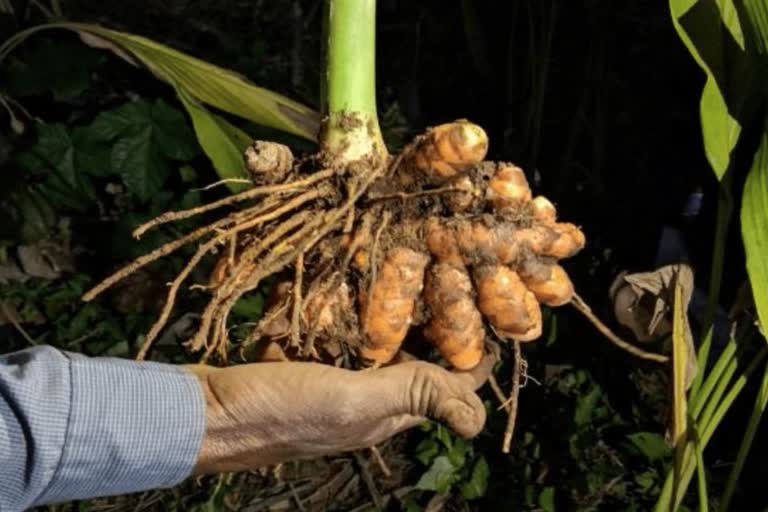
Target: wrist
{"type": "Point", "coordinates": [212, 453]}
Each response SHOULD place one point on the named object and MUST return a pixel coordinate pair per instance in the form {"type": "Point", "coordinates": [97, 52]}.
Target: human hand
{"type": "Point", "coordinates": [266, 413]}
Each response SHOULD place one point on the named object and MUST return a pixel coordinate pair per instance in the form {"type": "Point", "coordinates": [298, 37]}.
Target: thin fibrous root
{"type": "Point", "coordinates": [242, 196]}
{"type": "Point", "coordinates": [170, 247]}
{"type": "Point", "coordinates": [332, 220]}
{"type": "Point", "coordinates": [249, 278]}
{"type": "Point", "coordinates": [191, 264]}
{"type": "Point", "coordinates": [413, 195]}
{"type": "Point", "coordinates": [153, 256]}
{"type": "Point", "coordinates": [296, 313]}
{"type": "Point", "coordinates": [238, 277]}
{"type": "Point", "coordinates": [242, 181]}
{"type": "Point", "coordinates": [514, 394]}
{"type": "Point", "coordinates": [309, 343]}
{"type": "Point", "coordinates": [361, 237]}
{"type": "Point", "coordinates": [585, 310]}
{"type": "Point", "coordinates": [500, 396]}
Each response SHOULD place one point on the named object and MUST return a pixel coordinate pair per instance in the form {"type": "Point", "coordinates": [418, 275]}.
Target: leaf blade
{"type": "Point", "coordinates": [221, 141]}
{"type": "Point", "coordinates": [208, 83]}
{"type": "Point", "coordinates": [754, 218]}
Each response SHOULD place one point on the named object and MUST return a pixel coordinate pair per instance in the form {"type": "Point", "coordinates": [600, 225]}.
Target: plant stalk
{"type": "Point", "coordinates": [351, 130]}
{"type": "Point", "coordinates": [749, 435]}
{"type": "Point", "coordinates": [724, 212]}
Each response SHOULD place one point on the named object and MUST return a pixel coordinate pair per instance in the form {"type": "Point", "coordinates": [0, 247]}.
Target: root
{"type": "Point", "coordinates": [292, 186]}
{"type": "Point", "coordinates": [191, 264]}
{"type": "Point", "coordinates": [361, 237]}
{"type": "Point", "coordinates": [296, 313]}
{"type": "Point", "coordinates": [500, 396]}
{"type": "Point", "coordinates": [511, 404]}
{"type": "Point", "coordinates": [380, 461]}
{"type": "Point", "coordinates": [171, 298]}
{"type": "Point", "coordinates": [413, 195]}
{"type": "Point", "coordinates": [585, 310]}
{"type": "Point", "coordinates": [153, 256]}
{"type": "Point", "coordinates": [170, 247]}
{"type": "Point", "coordinates": [242, 181]}
{"type": "Point", "coordinates": [237, 280]}
{"type": "Point", "coordinates": [309, 343]}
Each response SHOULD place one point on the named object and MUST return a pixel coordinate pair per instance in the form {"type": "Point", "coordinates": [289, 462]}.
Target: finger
{"type": "Point", "coordinates": [465, 414]}
{"type": "Point", "coordinates": [477, 376]}
{"type": "Point", "coordinates": [422, 389]}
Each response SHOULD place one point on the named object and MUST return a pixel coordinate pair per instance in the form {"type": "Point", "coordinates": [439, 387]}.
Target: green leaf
{"type": "Point", "coordinates": [439, 477]}
{"type": "Point", "coordinates": [113, 123]}
{"type": "Point", "coordinates": [714, 37]}
{"type": "Point", "coordinates": [585, 406]}
{"type": "Point", "coordinates": [188, 174]}
{"type": "Point", "coordinates": [754, 219]}
{"type": "Point", "coordinates": [54, 157]}
{"type": "Point", "coordinates": [646, 479]}
{"type": "Point", "coordinates": [143, 135]}
{"type": "Point", "coordinates": [92, 155]}
{"type": "Point", "coordinates": [135, 158]}
{"type": "Point", "coordinates": [547, 499]}
{"type": "Point", "coordinates": [478, 481]}
{"type": "Point", "coordinates": [197, 79]}
{"type": "Point", "coordinates": [756, 14]}
{"type": "Point", "coordinates": [458, 452]}
{"type": "Point", "coordinates": [210, 84]}
{"type": "Point", "coordinates": [650, 444]}
{"type": "Point", "coordinates": [173, 133]}
{"type": "Point", "coordinates": [223, 142]}
{"type": "Point", "coordinates": [250, 306]}
{"type": "Point", "coordinates": [427, 450]}
{"type": "Point", "coordinates": [54, 150]}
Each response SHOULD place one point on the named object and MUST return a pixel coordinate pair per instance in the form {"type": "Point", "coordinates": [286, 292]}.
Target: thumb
{"type": "Point", "coordinates": [426, 390]}
{"type": "Point", "coordinates": [465, 415]}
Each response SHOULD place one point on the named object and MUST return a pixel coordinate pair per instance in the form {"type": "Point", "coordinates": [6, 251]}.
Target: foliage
{"type": "Point", "coordinates": [138, 141]}
{"type": "Point", "coordinates": [196, 82]}
{"type": "Point", "coordinates": [69, 324]}
{"type": "Point", "coordinates": [729, 41]}
{"type": "Point", "coordinates": [451, 464]}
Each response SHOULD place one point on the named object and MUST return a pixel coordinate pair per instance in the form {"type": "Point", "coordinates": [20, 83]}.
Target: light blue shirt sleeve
{"type": "Point", "coordinates": [74, 427]}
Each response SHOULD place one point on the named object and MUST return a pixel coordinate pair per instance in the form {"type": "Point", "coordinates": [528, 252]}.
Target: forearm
{"type": "Point", "coordinates": [74, 427]}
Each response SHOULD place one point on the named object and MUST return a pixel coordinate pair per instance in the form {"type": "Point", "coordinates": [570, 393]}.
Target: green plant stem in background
{"type": "Point", "coordinates": [724, 212]}
{"type": "Point", "coordinates": [699, 400]}
{"type": "Point", "coordinates": [713, 401]}
{"type": "Point", "coordinates": [352, 127]}
{"type": "Point", "coordinates": [701, 472]}
{"type": "Point", "coordinates": [710, 423]}
{"type": "Point", "coordinates": [708, 426]}
{"type": "Point", "coordinates": [749, 435]}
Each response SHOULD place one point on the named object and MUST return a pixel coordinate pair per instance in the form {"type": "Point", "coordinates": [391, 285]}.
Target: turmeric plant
{"type": "Point", "coordinates": [369, 249]}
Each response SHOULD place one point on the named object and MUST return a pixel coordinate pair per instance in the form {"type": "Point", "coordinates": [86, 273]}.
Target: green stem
{"type": "Point", "coordinates": [700, 468]}
{"type": "Point", "coordinates": [698, 401]}
{"type": "Point", "coordinates": [709, 424]}
{"type": "Point", "coordinates": [746, 443]}
{"type": "Point", "coordinates": [352, 128]}
{"type": "Point", "coordinates": [724, 211]}
{"type": "Point", "coordinates": [717, 394]}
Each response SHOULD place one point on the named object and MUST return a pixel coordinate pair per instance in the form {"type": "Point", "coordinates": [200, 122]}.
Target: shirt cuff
{"type": "Point", "coordinates": [133, 426]}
